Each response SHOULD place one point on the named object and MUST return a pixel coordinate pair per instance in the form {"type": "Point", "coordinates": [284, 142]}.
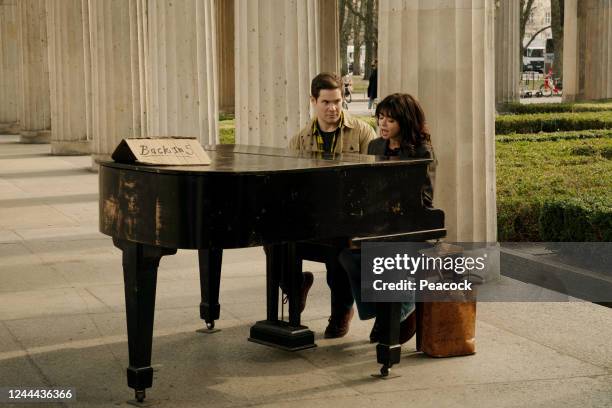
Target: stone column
{"type": "Point", "coordinates": [442, 52]}
{"type": "Point", "coordinates": [570, 50]}
{"type": "Point", "coordinates": [117, 33]}
{"type": "Point", "coordinates": [329, 36]}
{"type": "Point", "coordinates": [507, 50]}
{"type": "Point", "coordinates": [598, 49]}
{"type": "Point", "coordinates": [10, 74]}
{"type": "Point", "coordinates": [67, 77]}
{"type": "Point", "coordinates": [181, 69]}
{"type": "Point", "coordinates": [225, 54]}
{"type": "Point", "coordinates": [276, 58]}
{"type": "Point", "coordinates": [35, 113]}
{"type": "Point", "coordinates": [587, 50]}
{"type": "Point", "coordinates": [87, 68]}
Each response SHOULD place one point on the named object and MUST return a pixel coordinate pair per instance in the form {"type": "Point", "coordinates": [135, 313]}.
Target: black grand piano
{"type": "Point", "coordinates": [252, 196]}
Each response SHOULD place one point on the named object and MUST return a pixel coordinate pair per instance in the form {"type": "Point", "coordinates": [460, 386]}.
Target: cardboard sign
{"type": "Point", "coordinates": [165, 151]}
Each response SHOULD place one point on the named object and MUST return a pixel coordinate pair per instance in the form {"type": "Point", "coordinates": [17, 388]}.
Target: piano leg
{"type": "Point", "coordinates": [273, 275]}
{"type": "Point", "coordinates": [140, 263]}
{"type": "Point", "coordinates": [282, 264]}
{"type": "Point", "coordinates": [210, 281]}
{"type": "Point", "coordinates": [388, 350]}
{"type": "Point", "coordinates": [292, 277]}
{"type": "Point", "coordinates": [419, 323]}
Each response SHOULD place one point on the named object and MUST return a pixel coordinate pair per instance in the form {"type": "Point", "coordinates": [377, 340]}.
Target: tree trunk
{"type": "Point", "coordinates": [357, 42]}
{"type": "Point", "coordinates": [345, 31]}
{"type": "Point", "coordinates": [370, 35]}
{"type": "Point", "coordinates": [556, 22]}
{"type": "Point", "coordinates": [526, 11]}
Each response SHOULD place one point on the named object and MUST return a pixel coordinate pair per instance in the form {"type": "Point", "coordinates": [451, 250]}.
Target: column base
{"type": "Point", "coordinates": [70, 148]}
{"type": "Point", "coordinates": [9, 128]}
{"type": "Point", "coordinates": [35, 136]}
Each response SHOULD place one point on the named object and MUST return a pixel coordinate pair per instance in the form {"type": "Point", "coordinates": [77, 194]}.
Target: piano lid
{"type": "Point", "coordinates": [260, 159]}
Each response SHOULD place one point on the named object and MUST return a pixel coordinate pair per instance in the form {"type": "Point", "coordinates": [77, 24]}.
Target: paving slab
{"type": "Point", "coordinates": [592, 392]}
{"type": "Point", "coordinates": [24, 278]}
{"type": "Point", "coordinates": [48, 302]}
{"type": "Point", "coordinates": [579, 329]}
{"type": "Point", "coordinates": [9, 236]}
{"type": "Point", "coordinates": [36, 216]}
{"type": "Point", "coordinates": [83, 231]}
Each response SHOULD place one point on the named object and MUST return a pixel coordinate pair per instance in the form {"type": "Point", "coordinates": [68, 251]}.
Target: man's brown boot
{"type": "Point", "coordinates": [339, 323]}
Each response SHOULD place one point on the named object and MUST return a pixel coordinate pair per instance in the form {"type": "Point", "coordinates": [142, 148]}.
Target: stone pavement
{"type": "Point", "coordinates": [62, 323]}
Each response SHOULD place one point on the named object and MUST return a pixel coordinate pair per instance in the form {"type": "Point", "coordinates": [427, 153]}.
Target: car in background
{"type": "Point", "coordinates": [533, 59]}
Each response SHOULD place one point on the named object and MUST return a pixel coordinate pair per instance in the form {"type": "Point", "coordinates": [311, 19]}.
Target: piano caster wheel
{"type": "Point", "coordinates": [384, 371]}
{"type": "Point", "coordinates": [139, 395]}
{"type": "Point", "coordinates": [210, 325]}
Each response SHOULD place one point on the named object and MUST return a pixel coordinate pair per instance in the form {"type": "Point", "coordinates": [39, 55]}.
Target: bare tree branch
{"type": "Point", "coordinates": [535, 35]}
{"type": "Point", "coordinates": [351, 7]}
{"type": "Point", "coordinates": [526, 10]}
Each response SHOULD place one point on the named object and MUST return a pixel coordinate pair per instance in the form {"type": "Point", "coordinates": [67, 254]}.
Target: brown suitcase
{"type": "Point", "coordinates": [446, 329]}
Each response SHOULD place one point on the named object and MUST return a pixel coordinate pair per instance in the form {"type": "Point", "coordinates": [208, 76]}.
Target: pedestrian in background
{"type": "Point", "coordinates": [373, 84]}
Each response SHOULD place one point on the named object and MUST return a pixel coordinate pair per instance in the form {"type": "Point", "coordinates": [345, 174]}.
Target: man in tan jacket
{"type": "Point", "coordinates": [332, 131]}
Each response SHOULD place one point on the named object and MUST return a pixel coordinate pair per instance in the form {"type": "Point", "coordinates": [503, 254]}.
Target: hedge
{"type": "Point", "coordinates": [540, 188]}
{"type": "Point", "coordinates": [579, 221]}
{"type": "Point", "coordinates": [576, 219]}
{"type": "Point", "coordinates": [552, 122]}
{"type": "Point", "coordinates": [227, 131]}
{"type": "Point", "coordinates": [531, 108]}
{"type": "Point", "coordinates": [555, 219]}
{"type": "Point", "coordinates": [545, 137]}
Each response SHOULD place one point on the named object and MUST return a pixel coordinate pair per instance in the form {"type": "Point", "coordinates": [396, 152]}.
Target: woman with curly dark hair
{"type": "Point", "coordinates": [403, 134]}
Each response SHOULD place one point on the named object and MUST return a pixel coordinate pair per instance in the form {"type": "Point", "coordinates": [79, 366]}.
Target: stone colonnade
{"type": "Point", "coordinates": [448, 64]}
{"type": "Point", "coordinates": [84, 74]}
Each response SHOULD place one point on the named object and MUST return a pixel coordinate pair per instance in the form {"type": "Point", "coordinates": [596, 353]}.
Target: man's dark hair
{"type": "Point", "coordinates": [325, 80]}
